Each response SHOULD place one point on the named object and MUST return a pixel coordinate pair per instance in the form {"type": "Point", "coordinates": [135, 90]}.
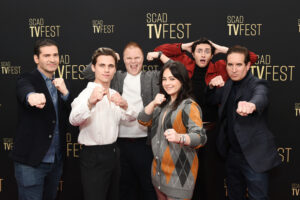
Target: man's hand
{"type": "Point", "coordinates": [219, 48]}
{"type": "Point", "coordinates": [37, 99]}
{"type": "Point", "coordinates": [245, 108]}
{"type": "Point", "coordinates": [60, 85]}
{"type": "Point", "coordinates": [119, 101]}
{"type": "Point", "coordinates": [96, 96]}
{"type": "Point", "coordinates": [216, 82]}
{"type": "Point", "coordinates": [187, 46]}
{"type": "Point", "coordinates": [152, 55]}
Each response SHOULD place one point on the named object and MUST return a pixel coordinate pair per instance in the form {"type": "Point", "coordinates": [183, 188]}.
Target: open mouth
{"type": "Point", "coordinates": [202, 61]}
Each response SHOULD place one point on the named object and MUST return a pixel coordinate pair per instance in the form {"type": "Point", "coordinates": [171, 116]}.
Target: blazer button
{"type": "Point", "coordinates": [50, 136]}
{"type": "Point", "coordinates": [53, 121]}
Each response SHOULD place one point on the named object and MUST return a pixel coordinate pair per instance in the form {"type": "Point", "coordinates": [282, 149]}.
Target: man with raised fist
{"type": "Point", "coordinates": [98, 111]}
{"type": "Point", "coordinates": [43, 107]}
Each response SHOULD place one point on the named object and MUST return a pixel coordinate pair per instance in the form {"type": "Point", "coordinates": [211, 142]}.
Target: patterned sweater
{"type": "Point", "coordinates": [175, 167]}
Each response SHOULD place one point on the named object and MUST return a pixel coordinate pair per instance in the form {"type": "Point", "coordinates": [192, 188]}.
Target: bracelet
{"type": "Point", "coordinates": [183, 137]}
{"type": "Point", "coordinates": [159, 55]}
{"type": "Point", "coordinates": [179, 142]}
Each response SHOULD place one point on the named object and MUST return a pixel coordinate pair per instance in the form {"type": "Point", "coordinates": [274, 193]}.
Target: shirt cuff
{"type": "Point", "coordinates": [66, 97]}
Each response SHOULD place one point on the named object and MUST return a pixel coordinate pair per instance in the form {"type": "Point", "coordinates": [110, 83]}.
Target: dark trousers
{"type": "Point", "coordinates": [136, 160]}
{"type": "Point", "coordinates": [241, 176]}
{"type": "Point", "coordinates": [211, 172]}
{"type": "Point", "coordinates": [40, 182]}
{"type": "Point", "coordinates": [100, 171]}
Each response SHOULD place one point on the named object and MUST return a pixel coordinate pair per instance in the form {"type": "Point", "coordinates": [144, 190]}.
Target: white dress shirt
{"type": "Point", "coordinates": [100, 125]}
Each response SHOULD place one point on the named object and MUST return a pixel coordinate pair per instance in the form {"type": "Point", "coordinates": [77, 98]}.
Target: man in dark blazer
{"type": "Point", "coordinates": [43, 109]}
{"type": "Point", "coordinates": [244, 139]}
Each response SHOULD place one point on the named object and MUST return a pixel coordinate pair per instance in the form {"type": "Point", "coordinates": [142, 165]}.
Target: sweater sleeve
{"type": "Point", "coordinates": [191, 116]}
{"type": "Point", "coordinates": [144, 119]}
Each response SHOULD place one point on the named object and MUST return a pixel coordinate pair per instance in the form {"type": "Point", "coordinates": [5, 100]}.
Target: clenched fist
{"type": "Point", "coordinates": [37, 99]}
{"type": "Point", "coordinates": [245, 108]}
{"type": "Point", "coordinates": [159, 99]}
{"type": "Point", "coordinates": [96, 96]}
{"type": "Point", "coordinates": [60, 85]}
{"type": "Point", "coordinates": [216, 82]}
{"type": "Point", "coordinates": [119, 101]}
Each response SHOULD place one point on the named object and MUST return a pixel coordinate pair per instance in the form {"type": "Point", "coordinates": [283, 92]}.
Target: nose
{"type": "Point", "coordinates": [52, 58]}
{"type": "Point", "coordinates": [234, 68]}
{"type": "Point", "coordinates": [106, 69]}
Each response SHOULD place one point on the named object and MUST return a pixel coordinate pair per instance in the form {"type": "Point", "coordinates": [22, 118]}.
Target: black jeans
{"type": "Point", "coordinates": [100, 172]}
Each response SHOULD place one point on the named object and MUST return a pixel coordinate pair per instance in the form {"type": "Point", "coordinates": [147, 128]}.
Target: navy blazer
{"type": "Point", "coordinates": [35, 127]}
{"type": "Point", "coordinates": [255, 138]}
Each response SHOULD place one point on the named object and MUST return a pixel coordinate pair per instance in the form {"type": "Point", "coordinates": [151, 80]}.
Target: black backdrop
{"type": "Point", "coordinates": [270, 29]}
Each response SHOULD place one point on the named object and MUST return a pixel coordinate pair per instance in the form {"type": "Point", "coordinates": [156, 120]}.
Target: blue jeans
{"type": "Point", "coordinates": [241, 176]}
{"type": "Point", "coordinates": [40, 182]}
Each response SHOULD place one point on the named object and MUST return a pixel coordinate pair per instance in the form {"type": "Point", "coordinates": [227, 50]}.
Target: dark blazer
{"type": "Point", "coordinates": [252, 133]}
{"type": "Point", "coordinates": [35, 126]}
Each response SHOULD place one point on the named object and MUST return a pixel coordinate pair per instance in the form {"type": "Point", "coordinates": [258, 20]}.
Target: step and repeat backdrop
{"type": "Point", "coordinates": [268, 28]}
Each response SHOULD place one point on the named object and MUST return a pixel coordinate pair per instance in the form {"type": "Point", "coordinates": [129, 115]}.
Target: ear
{"type": "Point", "coordinates": [36, 59]}
{"type": "Point", "coordinates": [248, 65]}
{"type": "Point", "coordinates": [93, 68]}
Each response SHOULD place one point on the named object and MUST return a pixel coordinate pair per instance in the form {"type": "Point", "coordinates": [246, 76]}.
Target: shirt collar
{"type": "Point", "coordinates": [45, 77]}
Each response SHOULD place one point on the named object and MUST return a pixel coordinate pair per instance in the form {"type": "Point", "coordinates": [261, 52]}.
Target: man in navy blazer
{"type": "Point", "coordinates": [244, 139]}
{"type": "Point", "coordinates": [43, 109]}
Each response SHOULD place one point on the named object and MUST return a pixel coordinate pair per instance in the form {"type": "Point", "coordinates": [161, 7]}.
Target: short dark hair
{"type": "Point", "coordinates": [203, 41]}
{"type": "Point", "coordinates": [179, 71]}
{"type": "Point", "coordinates": [104, 51]}
{"type": "Point", "coordinates": [133, 44]}
{"type": "Point", "coordinates": [241, 50]}
{"type": "Point", "coordinates": [41, 43]}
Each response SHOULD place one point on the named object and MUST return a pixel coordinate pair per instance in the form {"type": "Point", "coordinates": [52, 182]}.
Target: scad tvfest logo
{"type": "Point", "coordinates": [1, 184]}
{"type": "Point", "coordinates": [295, 189]}
{"type": "Point", "coordinates": [160, 27]}
{"type": "Point", "coordinates": [73, 148]}
{"type": "Point", "coordinates": [285, 153]}
{"type": "Point", "coordinates": [265, 69]}
{"type": "Point", "coordinates": [8, 144]}
{"type": "Point", "coordinates": [39, 28]}
{"type": "Point", "coordinates": [100, 28]}
{"type": "Point", "coordinates": [297, 109]}
{"type": "Point", "coordinates": [67, 70]}
{"type": "Point", "coordinates": [8, 69]}
{"type": "Point", "coordinates": [238, 26]}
